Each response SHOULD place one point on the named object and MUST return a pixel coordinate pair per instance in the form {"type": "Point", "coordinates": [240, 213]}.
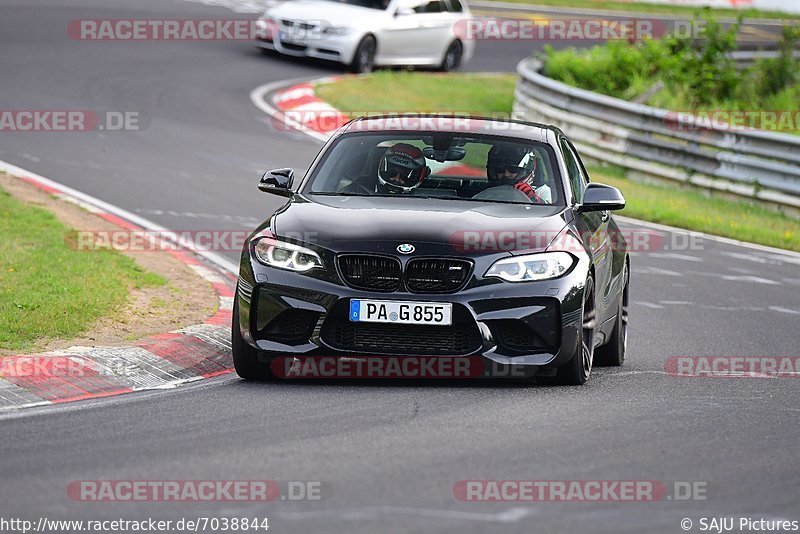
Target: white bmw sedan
{"type": "Point", "coordinates": [364, 34]}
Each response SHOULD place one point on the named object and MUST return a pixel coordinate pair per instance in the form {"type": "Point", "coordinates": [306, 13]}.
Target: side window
{"type": "Point", "coordinates": [581, 166]}
{"type": "Point", "coordinates": [424, 6]}
{"type": "Point", "coordinates": [454, 6]}
{"type": "Point", "coordinates": [434, 6]}
{"type": "Point", "coordinates": [576, 177]}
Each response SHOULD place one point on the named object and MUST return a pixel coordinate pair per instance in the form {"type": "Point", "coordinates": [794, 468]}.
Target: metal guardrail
{"type": "Point", "coordinates": [663, 144]}
{"type": "Point", "coordinates": [747, 58]}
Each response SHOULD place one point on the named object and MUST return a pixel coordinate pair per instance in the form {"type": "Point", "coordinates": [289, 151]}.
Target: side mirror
{"type": "Point", "coordinates": [403, 12]}
{"type": "Point", "coordinates": [601, 197]}
{"type": "Point", "coordinates": [277, 182]}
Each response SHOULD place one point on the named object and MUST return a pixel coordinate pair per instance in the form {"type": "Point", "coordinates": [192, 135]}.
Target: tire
{"type": "Point", "coordinates": [452, 57]}
{"type": "Point", "coordinates": [576, 371]}
{"type": "Point", "coordinates": [613, 353]}
{"type": "Point", "coordinates": [245, 357]}
{"type": "Point", "coordinates": [364, 59]}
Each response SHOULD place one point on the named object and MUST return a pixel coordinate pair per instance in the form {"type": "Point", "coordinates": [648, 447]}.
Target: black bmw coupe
{"type": "Point", "coordinates": [437, 237]}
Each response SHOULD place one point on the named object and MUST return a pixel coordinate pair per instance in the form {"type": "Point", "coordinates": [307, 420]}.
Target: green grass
{"type": "Point", "coordinates": [392, 91]}
{"type": "Point", "coordinates": [676, 205]}
{"type": "Point", "coordinates": [693, 209]}
{"type": "Point", "coordinates": [642, 7]}
{"type": "Point", "coordinates": [49, 290]}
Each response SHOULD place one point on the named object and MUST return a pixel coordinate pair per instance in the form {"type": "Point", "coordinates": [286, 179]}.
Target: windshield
{"type": "Point", "coordinates": [449, 166]}
{"type": "Point", "coordinates": [371, 4]}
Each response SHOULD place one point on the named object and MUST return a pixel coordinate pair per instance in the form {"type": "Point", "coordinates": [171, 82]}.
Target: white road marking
{"type": "Point", "coordinates": [658, 271]}
{"type": "Point", "coordinates": [753, 279]}
{"type": "Point", "coordinates": [217, 336]}
{"type": "Point", "coordinates": [734, 308]}
{"type": "Point", "coordinates": [207, 274]}
{"type": "Point", "coordinates": [648, 305]}
{"type": "Point", "coordinates": [314, 107]}
{"type": "Point", "coordinates": [795, 261]}
{"type": "Point", "coordinates": [200, 215]}
{"type": "Point", "coordinates": [298, 92]}
{"type": "Point", "coordinates": [784, 310]}
{"type": "Point", "coordinates": [674, 256]}
{"type": "Point", "coordinates": [510, 515]}
{"type": "Point", "coordinates": [84, 205]}
{"type": "Point", "coordinates": [629, 373]}
{"type": "Point", "coordinates": [755, 258]}
{"type": "Point", "coordinates": [133, 366]}
{"type": "Point", "coordinates": [13, 396]}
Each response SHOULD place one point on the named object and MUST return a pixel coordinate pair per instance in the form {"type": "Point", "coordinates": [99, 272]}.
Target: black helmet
{"type": "Point", "coordinates": [510, 163]}
{"type": "Point", "coordinates": [402, 168]}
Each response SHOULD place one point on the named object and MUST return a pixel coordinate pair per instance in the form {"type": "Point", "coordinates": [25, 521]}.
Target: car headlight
{"type": "Point", "coordinates": [531, 267]}
{"type": "Point", "coordinates": [283, 255]}
{"type": "Point", "coordinates": [266, 26]}
{"type": "Point", "coordinates": [264, 20]}
{"type": "Point", "coordinates": [336, 30]}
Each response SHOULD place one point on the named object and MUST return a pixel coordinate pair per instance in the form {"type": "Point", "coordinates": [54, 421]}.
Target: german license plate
{"type": "Point", "coordinates": [401, 312]}
{"type": "Point", "coordinates": [292, 38]}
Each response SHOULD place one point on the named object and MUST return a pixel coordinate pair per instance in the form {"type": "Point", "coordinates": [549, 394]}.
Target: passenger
{"type": "Point", "coordinates": [515, 165]}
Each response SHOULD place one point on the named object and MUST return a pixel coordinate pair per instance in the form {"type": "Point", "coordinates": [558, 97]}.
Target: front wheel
{"type": "Point", "coordinates": [576, 371]}
{"type": "Point", "coordinates": [364, 60]}
{"type": "Point", "coordinates": [245, 357]}
{"type": "Point", "coordinates": [613, 352]}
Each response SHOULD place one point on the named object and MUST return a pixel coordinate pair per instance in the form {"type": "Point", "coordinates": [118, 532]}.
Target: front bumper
{"type": "Point", "coordinates": [288, 314]}
{"type": "Point", "coordinates": [341, 49]}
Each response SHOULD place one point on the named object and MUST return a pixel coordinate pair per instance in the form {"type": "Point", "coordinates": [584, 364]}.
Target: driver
{"type": "Point", "coordinates": [401, 169]}
{"type": "Point", "coordinates": [515, 165]}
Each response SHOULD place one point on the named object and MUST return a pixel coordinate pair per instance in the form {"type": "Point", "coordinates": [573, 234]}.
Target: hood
{"type": "Point", "coordinates": [433, 226]}
{"type": "Point", "coordinates": [331, 13]}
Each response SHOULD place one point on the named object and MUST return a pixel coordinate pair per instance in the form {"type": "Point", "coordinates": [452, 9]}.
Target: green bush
{"type": "Point", "coordinates": [775, 75]}
{"type": "Point", "coordinates": [702, 68]}
{"type": "Point", "coordinates": [694, 73]}
{"type": "Point", "coordinates": [612, 69]}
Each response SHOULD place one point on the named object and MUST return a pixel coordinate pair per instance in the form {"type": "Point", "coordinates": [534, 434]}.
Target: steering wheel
{"type": "Point", "coordinates": [503, 193]}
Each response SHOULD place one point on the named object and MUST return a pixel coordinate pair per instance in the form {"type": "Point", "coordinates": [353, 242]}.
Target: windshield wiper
{"type": "Point", "coordinates": [340, 194]}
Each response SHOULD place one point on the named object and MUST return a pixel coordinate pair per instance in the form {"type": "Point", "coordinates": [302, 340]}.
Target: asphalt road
{"type": "Point", "coordinates": [389, 454]}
